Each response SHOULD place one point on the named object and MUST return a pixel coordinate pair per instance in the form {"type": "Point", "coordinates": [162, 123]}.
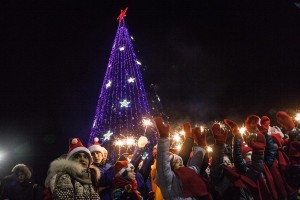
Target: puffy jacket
{"type": "Point", "coordinates": [169, 184]}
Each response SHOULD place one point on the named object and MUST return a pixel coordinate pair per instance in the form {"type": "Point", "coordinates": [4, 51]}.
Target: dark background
{"type": "Point", "coordinates": [207, 59]}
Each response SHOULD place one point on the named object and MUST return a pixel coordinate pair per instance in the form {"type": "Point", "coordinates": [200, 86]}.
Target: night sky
{"type": "Point", "coordinates": [207, 60]}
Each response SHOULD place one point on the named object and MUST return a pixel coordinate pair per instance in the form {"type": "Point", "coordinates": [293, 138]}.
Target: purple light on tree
{"type": "Point", "coordinates": [122, 105]}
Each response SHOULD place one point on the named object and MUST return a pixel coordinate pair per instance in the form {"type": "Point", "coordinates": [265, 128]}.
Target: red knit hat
{"type": "Point", "coordinates": [285, 120]}
{"type": "Point", "coordinates": [251, 122]}
{"type": "Point", "coordinates": [96, 146]}
{"type": "Point", "coordinates": [75, 146]}
{"type": "Point", "coordinates": [122, 166]}
{"type": "Point", "coordinates": [245, 149]}
{"type": "Point", "coordinates": [265, 120]}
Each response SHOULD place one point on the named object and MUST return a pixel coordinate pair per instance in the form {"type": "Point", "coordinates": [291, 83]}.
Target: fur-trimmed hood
{"type": "Point", "coordinates": [23, 168]}
{"type": "Point", "coordinates": [70, 167]}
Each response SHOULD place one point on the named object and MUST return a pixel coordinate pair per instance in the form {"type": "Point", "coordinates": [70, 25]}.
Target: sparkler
{"type": "Point", "coordinates": [297, 117]}
{"type": "Point", "coordinates": [146, 123]}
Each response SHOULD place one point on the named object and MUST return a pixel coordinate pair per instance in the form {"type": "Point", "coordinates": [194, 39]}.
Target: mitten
{"type": "Point", "coordinates": [142, 142]}
{"type": "Point", "coordinates": [285, 120]}
{"type": "Point", "coordinates": [162, 129]}
{"type": "Point", "coordinates": [265, 123]}
{"type": "Point", "coordinates": [233, 126]}
{"type": "Point", "coordinates": [220, 135]}
{"type": "Point", "coordinates": [187, 130]}
{"type": "Point", "coordinates": [251, 123]}
{"type": "Point", "coordinates": [200, 136]}
{"type": "Point", "coordinates": [257, 142]}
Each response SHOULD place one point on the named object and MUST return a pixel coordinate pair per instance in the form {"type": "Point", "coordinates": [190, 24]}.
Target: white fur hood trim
{"type": "Point", "coordinates": [61, 165]}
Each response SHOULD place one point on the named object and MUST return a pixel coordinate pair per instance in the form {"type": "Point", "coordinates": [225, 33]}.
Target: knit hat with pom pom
{"type": "Point", "coordinates": [76, 146]}
{"type": "Point", "coordinates": [96, 146]}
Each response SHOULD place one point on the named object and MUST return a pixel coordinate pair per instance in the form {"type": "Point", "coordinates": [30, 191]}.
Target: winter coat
{"type": "Point", "coordinates": [143, 173]}
{"type": "Point", "coordinates": [106, 181]}
{"type": "Point", "coordinates": [168, 182]}
{"type": "Point", "coordinates": [186, 150]}
{"type": "Point", "coordinates": [27, 191]}
{"type": "Point", "coordinates": [67, 180]}
{"type": "Point", "coordinates": [155, 188]}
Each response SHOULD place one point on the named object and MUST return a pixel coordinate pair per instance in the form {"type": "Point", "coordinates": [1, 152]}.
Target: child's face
{"type": "Point", "coordinates": [97, 156]}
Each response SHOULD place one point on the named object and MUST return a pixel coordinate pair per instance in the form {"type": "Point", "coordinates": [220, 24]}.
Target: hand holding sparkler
{"type": "Point", "coordinates": [265, 123]}
{"type": "Point", "coordinates": [233, 126]}
{"type": "Point", "coordinates": [187, 130]}
{"type": "Point", "coordinates": [251, 123]}
{"type": "Point", "coordinates": [219, 134]}
{"type": "Point", "coordinates": [285, 120]}
{"type": "Point", "coordinates": [163, 130]}
{"type": "Point", "coordinates": [200, 135]}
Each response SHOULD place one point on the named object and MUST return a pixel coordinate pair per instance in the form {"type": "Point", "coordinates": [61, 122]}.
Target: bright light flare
{"type": "Point", "coordinates": [201, 128]}
{"type": "Point", "coordinates": [147, 122]}
{"type": "Point", "coordinates": [209, 149]}
{"type": "Point", "coordinates": [2, 155]}
{"type": "Point", "coordinates": [177, 138]}
{"type": "Point", "coordinates": [120, 143]}
{"type": "Point", "coordinates": [181, 132]}
{"type": "Point", "coordinates": [297, 118]}
{"type": "Point", "coordinates": [130, 141]}
{"type": "Point", "coordinates": [242, 130]}
{"type": "Point", "coordinates": [178, 147]}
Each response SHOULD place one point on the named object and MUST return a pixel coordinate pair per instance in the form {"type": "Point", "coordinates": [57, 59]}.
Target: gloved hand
{"type": "Point", "coordinates": [233, 126]}
{"type": "Point", "coordinates": [200, 136]}
{"type": "Point", "coordinates": [285, 120]}
{"type": "Point", "coordinates": [265, 123]}
{"type": "Point", "coordinates": [219, 134]}
{"type": "Point", "coordinates": [187, 130]}
{"type": "Point", "coordinates": [251, 123]}
{"type": "Point", "coordinates": [258, 143]}
{"type": "Point", "coordinates": [162, 129]}
{"type": "Point", "coordinates": [142, 142]}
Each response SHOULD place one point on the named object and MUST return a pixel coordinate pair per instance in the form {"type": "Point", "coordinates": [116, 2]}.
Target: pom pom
{"type": "Point", "coordinates": [74, 141]}
{"type": "Point", "coordinates": [96, 139]}
{"type": "Point", "coordinates": [142, 141]}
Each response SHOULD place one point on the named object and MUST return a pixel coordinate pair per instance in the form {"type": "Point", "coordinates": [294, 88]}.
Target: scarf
{"type": "Point", "coordinates": [239, 180]}
{"type": "Point", "coordinates": [283, 160]}
{"type": "Point", "coordinates": [280, 186]}
{"type": "Point", "coordinates": [121, 182]}
{"type": "Point", "coordinates": [193, 184]}
{"type": "Point", "coordinates": [270, 182]}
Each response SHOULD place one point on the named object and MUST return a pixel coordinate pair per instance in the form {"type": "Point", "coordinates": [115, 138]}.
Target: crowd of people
{"type": "Point", "coordinates": [263, 163]}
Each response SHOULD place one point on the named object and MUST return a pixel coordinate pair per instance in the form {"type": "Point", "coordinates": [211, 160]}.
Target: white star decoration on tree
{"type": "Point", "coordinates": [107, 135]}
{"type": "Point", "coordinates": [131, 80]}
{"type": "Point", "coordinates": [124, 103]}
{"type": "Point", "coordinates": [108, 84]}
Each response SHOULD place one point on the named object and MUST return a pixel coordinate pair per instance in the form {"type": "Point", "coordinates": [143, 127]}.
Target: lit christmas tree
{"type": "Point", "coordinates": [122, 113]}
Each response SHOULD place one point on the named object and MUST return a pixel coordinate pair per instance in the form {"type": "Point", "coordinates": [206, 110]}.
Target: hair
{"type": "Point", "coordinates": [22, 168]}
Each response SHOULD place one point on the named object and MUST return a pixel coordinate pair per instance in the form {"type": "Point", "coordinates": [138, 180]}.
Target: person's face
{"type": "Point", "coordinates": [248, 156]}
{"type": "Point", "coordinates": [82, 158]}
{"type": "Point", "coordinates": [97, 156]}
{"type": "Point", "coordinates": [227, 162]}
{"type": "Point", "coordinates": [21, 176]}
{"type": "Point", "coordinates": [178, 164]}
{"type": "Point", "coordinates": [131, 174]}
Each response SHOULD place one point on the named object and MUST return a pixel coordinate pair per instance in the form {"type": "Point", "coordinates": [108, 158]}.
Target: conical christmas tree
{"type": "Point", "coordinates": [122, 113]}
